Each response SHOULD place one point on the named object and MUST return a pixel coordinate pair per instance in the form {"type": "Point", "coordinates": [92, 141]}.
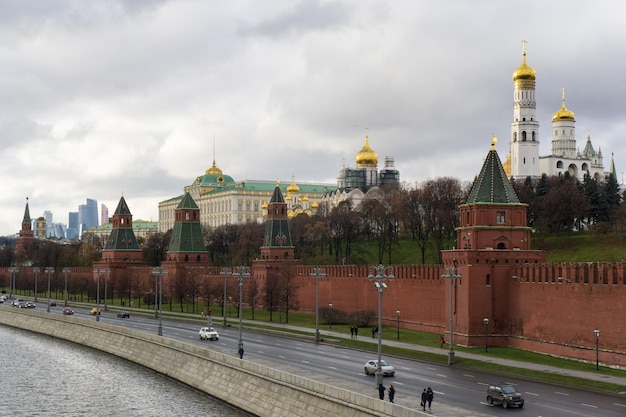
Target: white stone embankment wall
{"type": "Point", "coordinates": [254, 388]}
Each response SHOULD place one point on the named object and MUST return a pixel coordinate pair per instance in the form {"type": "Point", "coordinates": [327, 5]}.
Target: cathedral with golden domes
{"type": "Point", "coordinates": [355, 183]}
{"type": "Point", "coordinates": [523, 159]}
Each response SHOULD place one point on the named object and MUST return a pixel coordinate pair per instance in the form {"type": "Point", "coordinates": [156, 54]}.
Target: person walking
{"type": "Point", "coordinates": [241, 352]}
{"type": "Point", "coordinates": [424, 399]}
{"type": "Point", "coordinates": [351, 332]}
{"type": "Point", "coordinates": [356, 331]}
{"type": "Point", "coordinates": [381, 391]}
{"type": "Point", "coordinates": [441, 341]}
{"type": "Point", "coordinates": [429, 396]}
{"type": "Point", "coordinates": [392, 393]}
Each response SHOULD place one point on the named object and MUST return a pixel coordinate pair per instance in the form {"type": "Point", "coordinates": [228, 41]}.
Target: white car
{"type": "Point", "coordinates": [208, 333]}
{"type": "Point", "coordinates": [371, 366]}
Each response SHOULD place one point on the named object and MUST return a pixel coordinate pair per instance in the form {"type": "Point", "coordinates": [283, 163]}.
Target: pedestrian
{"type": "Point", "coordinates": [241, 352]}
{"type": "Point", "coordinates": [424, 399]}
{"type": "Point", "coordinates": [381, 391]}
{"type": "Point", "coordinates": [392, 393]}
{"type": "Point", "coordinates": [374, 331]}
{"type": "Point", "coordinates": [441, 341]}
{"type": "Point", "coordinates": [351, 332]}
{"type": "Point", "coordinates": [356, 331]}
{"type": "Point", "coordinates": [429, 396]}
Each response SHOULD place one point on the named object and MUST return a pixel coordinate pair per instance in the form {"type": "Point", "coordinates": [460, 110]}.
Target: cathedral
{"type": "Point", "coordinates": [523, 159]}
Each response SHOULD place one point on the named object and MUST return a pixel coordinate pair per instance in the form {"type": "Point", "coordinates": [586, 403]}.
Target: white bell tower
{"type": "Point", "coordinates": [524, 144]}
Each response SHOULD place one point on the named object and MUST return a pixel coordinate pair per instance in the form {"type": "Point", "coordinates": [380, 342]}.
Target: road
{"type": "Point", "coordinates": [452, 386]}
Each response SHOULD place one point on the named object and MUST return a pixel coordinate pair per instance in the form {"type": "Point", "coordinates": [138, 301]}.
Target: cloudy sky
{"type": "Point", "coordinates": [105, 98]}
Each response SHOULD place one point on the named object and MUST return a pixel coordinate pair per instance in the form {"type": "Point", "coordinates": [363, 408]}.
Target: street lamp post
{"type": "Point", "coordinates": [379, 274]}
{"type": "Point", "coordinates": [36, 271]}
{"type": "Point", "coordinates": [597, 332]}
{"type": "Point", "coordinates": [398, 326]}
{"type": "Point", "coordinates": [97, 272]}
{"type": "Point", "coordinates": [49, 270]}
{"type": "Point", "coordinates": [65, 271]}
{"type": "Point", "coordinates": [451, 274]}
{"type": "Point", "coordinates": [317, 273]}
{"type": "Point", "coordinates": [106, 280]}
{"type": "Point", "coordinates": [13, 270]}
{"type": "Point", "coordinates": [225, 272]}
{"type": "Point", "coordinates": [486, 323]}
{"type": "Point", "coordinates": [241, 272]}
{"type": "Point", "coordinates": [158, 272]}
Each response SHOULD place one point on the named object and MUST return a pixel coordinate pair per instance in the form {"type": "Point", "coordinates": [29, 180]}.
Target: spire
{"type": "Point", "coordinates": [277, 241]}
{"type": "Point", "coordinates": [492, 184]}
{"type": "Point", "coordinates": [612, 170]}
{"type": "Point", "coordinates": [27, 218]}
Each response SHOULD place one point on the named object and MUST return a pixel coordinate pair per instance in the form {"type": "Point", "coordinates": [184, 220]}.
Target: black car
{"type": "Point", "coordinates": [504, 394]}
{"type": "Point", "coordinates": [123, 315]}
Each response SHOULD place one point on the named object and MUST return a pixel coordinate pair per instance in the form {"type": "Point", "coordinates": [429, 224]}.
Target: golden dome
{"type": "Point", "coordinates": [264, 206]}
{"type": "Point", "coordinates": [305, 198]}
{"type": "Point", "coordinates": [563, 113]}
{"type": "Point", "coordinates": [213, 170]}
{"type": "Point", "coordinates": [524, 72]}
{"type": "Point", "coordinates": [293, 188]}
{"type": "Point", "coordinates": [366, 156]}
{"type": "Point", "coordinates": [314, 205]}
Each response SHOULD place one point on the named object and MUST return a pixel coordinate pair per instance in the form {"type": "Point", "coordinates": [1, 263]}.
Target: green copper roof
{"type": "Point", "coordinates": [492, 185]}
{"type": "Point", "coordinates": [277, 196]}
{"type": "Point", "coordinates": [122, 208]}
{"type": "Point", "coordinates": [187, 203]}
{"type": "Point", "coordinates": [187, 234]}
{"type": "Point", "coordinates": [122, 240]}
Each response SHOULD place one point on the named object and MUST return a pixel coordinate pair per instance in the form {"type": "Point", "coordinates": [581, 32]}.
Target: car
{"type": "Point", "coordinates": [95, 311]}
{"type": "Point", "coordinates": [371, 366]}
{"type": "Point", "coordinates": [21, 304]}
{"type": "Point", "coordinates": [30, 305]}
{"type": "Point", "coordinates": [53, 304]}
{"type": "Point", "coordinates": [123, 315]}
{"type": "Point", "coordinates": [504, 394]}
{"type": "Point", "coordinates": [68, 312]}
{"type": "Point", "coordinates": [208, 333]}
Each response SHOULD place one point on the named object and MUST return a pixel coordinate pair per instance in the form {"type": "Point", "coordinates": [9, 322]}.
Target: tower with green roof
{"type": "Point", "coordinates": [122, 245]}
{"type": "Point", "coordinates": [277, 244]}
{"type": "Point", "coordinates": [187, 242]}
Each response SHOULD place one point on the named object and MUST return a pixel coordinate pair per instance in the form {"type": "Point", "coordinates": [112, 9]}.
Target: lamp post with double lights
{"type": "Point", "coordinates": [225, 272]}
{"type": "Point", "coordinates": [158, 272]}
{"type": "Point", "coordinates": [317, 273]}
{"type": "Point", "coordinates": [486, 323]}
{"type": "Point", "coordinates": [13, 270]}
{"type": "Point", "coordinates": [241, 272]}
{"type": "Point", "coordinates": [107, 271]}
{"type": "Point", "coordinates": [98, 271]}
{"type": "Point", "coordinates": [379, 274]}
{"type": "Point", "coordinates": [451, 274]}
{"type": "Point", "coordinates": [49, 270]}
{"type": "Point", "coordinates": [65, 272]}
{"type": "Point", "coordinates": [398, 323]}
{"type": "Point", "coordinates": [330, 316]}
{"type": "Point", "coordinates": [597, 333]}
{"type": "Point", "coordinates": [36, 271]}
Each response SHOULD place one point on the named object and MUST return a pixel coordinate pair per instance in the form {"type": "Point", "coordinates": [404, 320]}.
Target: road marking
{"type": "Point", "coordinates": [561, 393]}
{"type": "Point", "coordinates": [531, 393]}
{"type": "Point", "coordinates": [332, 367]}
{"type": "Point", "coordinates": [589, 405]}
{"type": "Point", "coordinates": [281, 356]}
{"type": "Point", "coordinates": [304, 361]}
{"type": "Point", "coordinates": [482, 383]}
{"type": "Point", "coordinates": [619, 405]}
{"type": "Point", "coordinates": [442, 375]}
{"type": "Point", "coordinates": [468, 375]}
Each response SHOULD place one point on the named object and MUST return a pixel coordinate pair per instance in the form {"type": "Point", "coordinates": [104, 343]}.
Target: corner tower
{"type": "Point", "coordinates": [187, 242]}
{"type": "Point", "coordinates": [524, 145]}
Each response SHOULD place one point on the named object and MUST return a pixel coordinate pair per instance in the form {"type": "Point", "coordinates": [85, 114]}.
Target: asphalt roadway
{"type": "Point", "coordinates": [412, 400]}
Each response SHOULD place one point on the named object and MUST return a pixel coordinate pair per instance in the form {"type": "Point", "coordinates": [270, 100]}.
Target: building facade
{"type": "Point", "coordinates": [223, 201]}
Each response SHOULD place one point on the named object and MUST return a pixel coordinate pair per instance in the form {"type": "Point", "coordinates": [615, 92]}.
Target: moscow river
{"type": "Point", "coordinates": [43, 376]}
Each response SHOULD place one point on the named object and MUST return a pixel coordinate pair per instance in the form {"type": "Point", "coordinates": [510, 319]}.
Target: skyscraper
{"type": "Point", "coordinates": [87, 216]}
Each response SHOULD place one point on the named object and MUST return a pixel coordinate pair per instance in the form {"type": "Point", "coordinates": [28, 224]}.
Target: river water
{"type": "Point", "coordinates": [43, 376]}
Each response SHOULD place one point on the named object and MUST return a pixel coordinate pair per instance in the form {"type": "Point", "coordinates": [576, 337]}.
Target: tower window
{"type": "Point", "coordinates": [488, 280]}
{"type": "Point", "coordinates": [500, 217]}
{"type": "Point", "coordinates": [514, 136]}
{"type": "Point", "coordinates": [524, 136]}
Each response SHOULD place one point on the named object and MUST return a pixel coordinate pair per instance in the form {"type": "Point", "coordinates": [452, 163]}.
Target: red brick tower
{"type": "Point", "coordinates": [492, 239]}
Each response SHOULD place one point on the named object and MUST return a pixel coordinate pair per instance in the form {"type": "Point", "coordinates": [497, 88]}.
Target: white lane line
{"type": "Point", "coordinates": [468, 375]}
{"type": "Point", "coordinates": [619, 405]}
{"type": "Point", "coordinates": [332, 367]}
{"type": "Point", "coordinates": [442, 375]}
{"type": "Point", "coordinates": [589, 405]}
{"type": "Point", "coordinates": [561, 393]}
{"type": "Point", "coordinates": [532, 393]}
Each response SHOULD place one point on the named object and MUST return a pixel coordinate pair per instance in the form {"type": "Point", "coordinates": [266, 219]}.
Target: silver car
{"type": "Point", "coordinates": [371, 366]}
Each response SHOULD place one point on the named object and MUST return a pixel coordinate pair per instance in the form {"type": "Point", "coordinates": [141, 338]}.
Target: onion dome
{"type": "Point", "coordinates": [524, 71]}
{"type": "Point", "coordinates": [563, 113]}
{"type": "Point", "coordinates": [305, 198]}
{"type": "Point", "coordinates": [366, 156]}
{"type": "Point", "coordinates": [314, 205]}
{"type": "Point", "coordinates": [293, 188]}
{"type": "Point", "coordinates": [264, 206]}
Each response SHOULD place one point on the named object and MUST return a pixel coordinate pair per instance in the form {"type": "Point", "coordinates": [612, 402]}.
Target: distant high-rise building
{"type": "Point", "coordinates": [49, 225]}
{"type": "Point", "coordinates": [87, 216]}
{"type": "Point", "coordinates": [104, 214]}
{"type": "Point", "coordinates": [72, 228]}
